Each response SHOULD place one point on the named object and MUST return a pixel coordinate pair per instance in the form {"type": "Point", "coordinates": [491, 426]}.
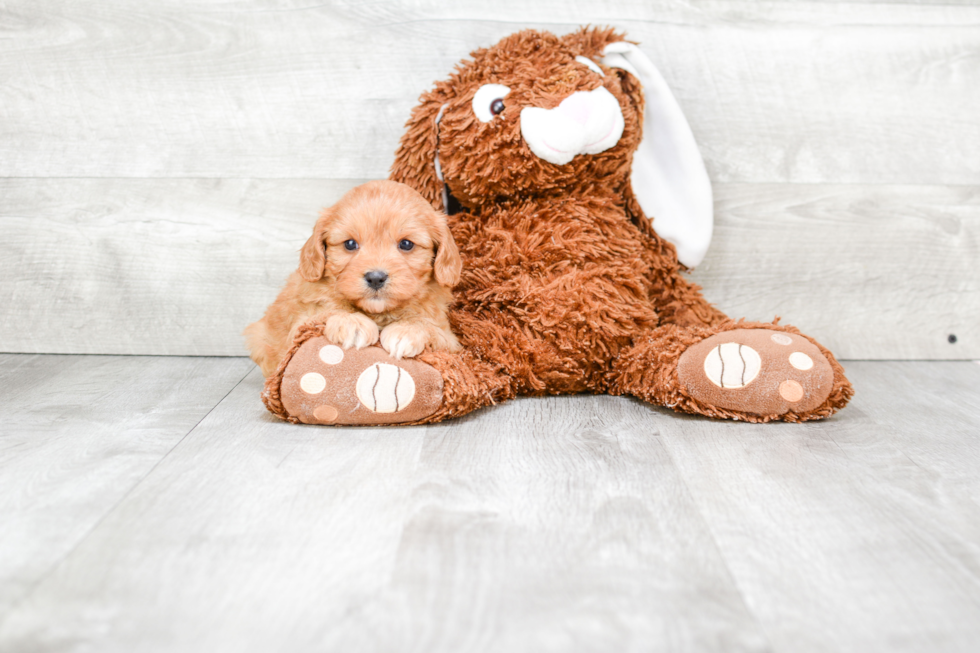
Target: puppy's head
{"type": "Point", "coordinates": [381, 244]}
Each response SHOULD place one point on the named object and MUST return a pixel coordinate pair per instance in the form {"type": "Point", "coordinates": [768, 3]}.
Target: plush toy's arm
{"type": "Point", "coordinates": [677, 300]}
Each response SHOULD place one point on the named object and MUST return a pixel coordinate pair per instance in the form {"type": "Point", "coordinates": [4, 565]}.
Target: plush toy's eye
{"type": "Point", "coordinates": [350, 245]}
{"type": "Point", "coordinates": [593, 66]}
{"type": "Point", "coordinates": [406, 245]}
{"type": "Point", "coordinates": [489, 101]}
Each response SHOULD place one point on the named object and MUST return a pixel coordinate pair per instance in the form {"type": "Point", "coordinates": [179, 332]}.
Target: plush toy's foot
{"type": "Point", "coordinates": [756, 371]}
{"type": "Point", "coordinates": [324, 384]}
{"type": "Point", "coordinates": [320, 383]}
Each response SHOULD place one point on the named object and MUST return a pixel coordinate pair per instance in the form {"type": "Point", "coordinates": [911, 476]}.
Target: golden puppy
{"type": "Point", "coordinates": [380, 263]}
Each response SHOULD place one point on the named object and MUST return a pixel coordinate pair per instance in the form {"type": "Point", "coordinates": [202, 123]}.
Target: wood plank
{"type": "Point", "coordinates": [814, 92]}
{"type": "Point", "coordinates": [860, 533]}
{"type": "Point", "coordinates": [181, 266]}
{"type": "Point", "coordinates": [543, 524]}
{"type": "Point", "coordinates": [78, 433]}
{"type": "Point", "coordinates": [148, 266]}
{"type": "Point", "coordinates": [874, 272]}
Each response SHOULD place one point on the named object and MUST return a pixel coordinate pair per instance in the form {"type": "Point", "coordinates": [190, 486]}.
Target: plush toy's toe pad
{"type": "Point", "coordinates": [757, 371]}
{"type": "Point", "coordinates": [324, 384]}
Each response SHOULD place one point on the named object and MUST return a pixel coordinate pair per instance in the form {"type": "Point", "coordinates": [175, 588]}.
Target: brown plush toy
{"type": "Point", "coordinates": [552, 156]}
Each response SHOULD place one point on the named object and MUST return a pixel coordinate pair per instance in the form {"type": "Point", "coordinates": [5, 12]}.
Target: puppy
{"type": "Point", "coordinates": [379, 265]}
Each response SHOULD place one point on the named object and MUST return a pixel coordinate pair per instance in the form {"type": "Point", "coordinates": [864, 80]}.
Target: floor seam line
{"type": "Point", "coordinates": [37, 583]}
{"type": "Point", "coordinates": [664, 434]}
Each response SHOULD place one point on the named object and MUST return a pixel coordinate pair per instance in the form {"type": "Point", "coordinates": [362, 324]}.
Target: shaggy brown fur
{"type": "Point", "coordinates": [566, 288]}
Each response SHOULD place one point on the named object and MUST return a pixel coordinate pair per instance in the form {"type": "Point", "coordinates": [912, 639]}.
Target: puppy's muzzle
{"type": "Point", "coordinates": [376, 278]}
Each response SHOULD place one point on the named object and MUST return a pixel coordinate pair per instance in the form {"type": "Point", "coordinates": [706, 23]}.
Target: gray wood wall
{"type": "Point", "coordinates": [162, 162]}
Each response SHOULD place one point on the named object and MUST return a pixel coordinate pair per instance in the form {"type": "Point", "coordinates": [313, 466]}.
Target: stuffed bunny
{"type": "Point", "coordinates": [576, 196]}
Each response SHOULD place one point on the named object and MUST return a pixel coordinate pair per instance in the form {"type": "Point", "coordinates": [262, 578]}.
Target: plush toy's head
{"type": "Point", "coordinates": [538, 115]}
{"type": "Point", "coordinates": [510, 121]}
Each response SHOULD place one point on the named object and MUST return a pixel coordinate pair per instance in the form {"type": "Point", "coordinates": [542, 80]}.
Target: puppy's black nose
{"type": "Point", "coordinates": [376, 278]}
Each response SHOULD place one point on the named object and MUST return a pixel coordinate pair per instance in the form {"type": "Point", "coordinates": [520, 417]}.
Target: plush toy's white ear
{"type": "Point", "coordinates": [668, 177]}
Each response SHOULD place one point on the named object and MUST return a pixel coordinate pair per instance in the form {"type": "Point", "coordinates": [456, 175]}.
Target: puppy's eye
{"type": "Point", "coordinates": [406, 245]}
{"type": "Point", "coordinates": [489, 101]}
{"type": "Point", "coordinates": [350, 245]}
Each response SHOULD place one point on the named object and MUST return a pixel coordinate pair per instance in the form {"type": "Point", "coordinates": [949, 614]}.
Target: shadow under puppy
{"type": "Point", "coordinates": [379, 266]}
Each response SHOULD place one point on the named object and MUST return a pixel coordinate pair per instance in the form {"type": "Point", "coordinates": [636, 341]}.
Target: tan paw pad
{"type": "Point", "coordinates": [385, 388]}
{"type": "Point", "coordinates": [325, 414]}
{"type": "Point", "coordinates": [732, 365]}
{"type": "Point", "coordinates": [791, 391]}
{"type": "Point", "coordinates": [800, 361]}
{"type": "Point", "coordinates": [781, 339]}
{"type": "Point", "coordinates": [312, 383]}
{"type": "Point", "coordinates": [331, 354]}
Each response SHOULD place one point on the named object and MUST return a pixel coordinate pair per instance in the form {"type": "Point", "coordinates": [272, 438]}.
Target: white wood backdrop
{"type": "Point", "coordinates": [161, 163]}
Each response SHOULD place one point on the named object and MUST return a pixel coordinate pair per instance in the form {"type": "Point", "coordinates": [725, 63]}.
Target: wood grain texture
{"type": "Point", "coordinates": [160, 163]}
{"type": "Point", "coordinates": [181, 266]}
{"type": "Point", "coordinates": [554, 524]}
{"type": "Point", "coordinates": [77, 433]}
{"type": "Point", "coordinates": [148, 266]}
{"type": "Point", "coordinates": [873, 272]}
{"type": "Point", "coordinates": [814, 92]}
{"type": "Point", "coordinates": [544, 524]}
{"type": "Point", "coordinates": [861, 533]}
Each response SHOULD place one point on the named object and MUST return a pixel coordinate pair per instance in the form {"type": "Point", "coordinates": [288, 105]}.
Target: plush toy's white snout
{"type": "Point", "coordinates": [586, 122]}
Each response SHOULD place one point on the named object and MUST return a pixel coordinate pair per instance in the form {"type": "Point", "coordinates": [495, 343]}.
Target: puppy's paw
{"type": "Point", "coordinates": [350, 330]}
{"type": "Point", "coordinates": [404, 340]}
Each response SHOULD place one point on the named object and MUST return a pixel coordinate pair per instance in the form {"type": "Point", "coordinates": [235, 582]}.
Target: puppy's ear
{"type": "Point", "coordinates": [448, 265]}
{"type": "Point", "coordinates": [313, 256]}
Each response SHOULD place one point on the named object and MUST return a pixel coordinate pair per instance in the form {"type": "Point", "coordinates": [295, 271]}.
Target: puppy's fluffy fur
{"type": "Point", "coordinates": [379, 227]}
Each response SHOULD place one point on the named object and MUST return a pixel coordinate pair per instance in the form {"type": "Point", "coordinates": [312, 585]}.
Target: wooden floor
{"type": "Point", "coordinates": [150, 503]}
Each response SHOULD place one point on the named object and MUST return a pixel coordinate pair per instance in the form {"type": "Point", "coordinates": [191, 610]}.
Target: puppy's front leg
{"type": "Point", "coordinates": [350, 330]}
{"type": "Point", "coordinates": [409, 338]}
